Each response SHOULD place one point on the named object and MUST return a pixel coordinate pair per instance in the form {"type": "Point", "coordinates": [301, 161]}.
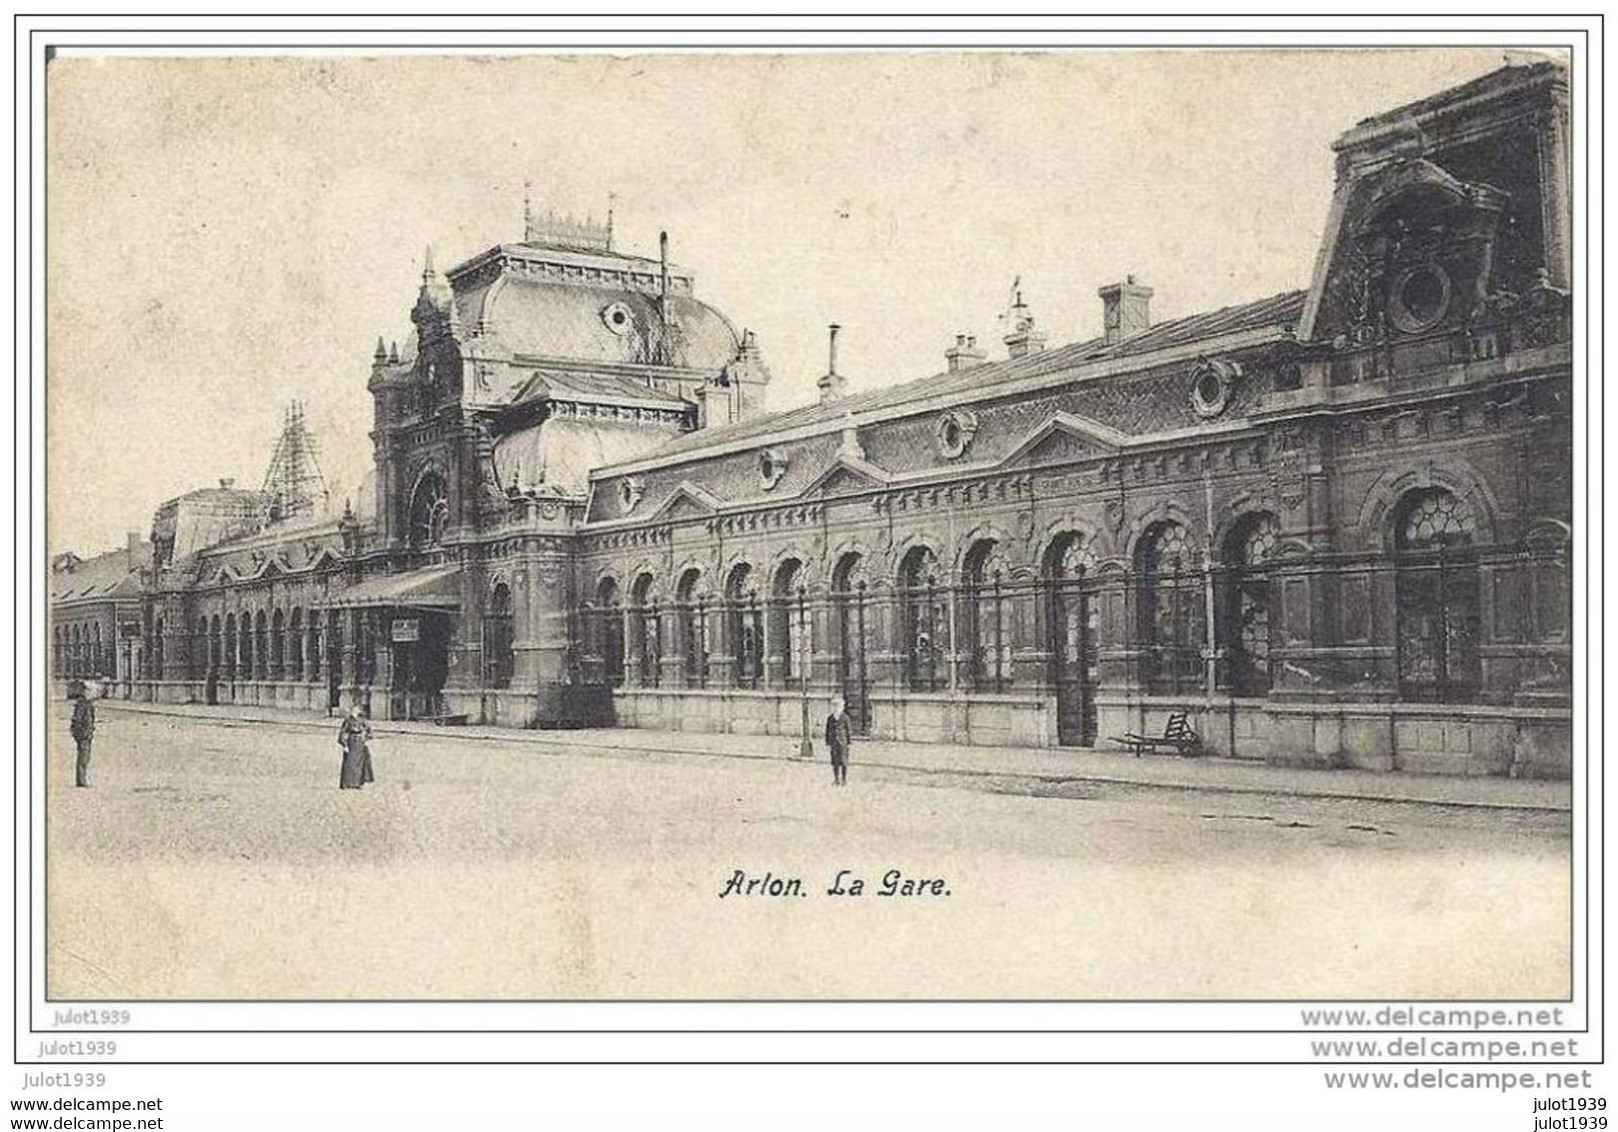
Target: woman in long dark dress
{"type": "Point", "coordinates": [353, 736]}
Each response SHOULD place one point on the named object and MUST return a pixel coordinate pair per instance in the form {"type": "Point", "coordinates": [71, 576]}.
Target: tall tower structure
{"type": "Point", "coordinates": [293, 483]}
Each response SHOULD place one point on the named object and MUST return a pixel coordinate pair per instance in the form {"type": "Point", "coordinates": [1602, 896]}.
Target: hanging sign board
{"type": "Point", "coordinates": [406, 629]}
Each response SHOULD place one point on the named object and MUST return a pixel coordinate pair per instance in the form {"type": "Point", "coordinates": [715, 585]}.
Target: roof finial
{"type": "Point", "coordinates": [527, 211]}
{"type": "Point", "coordinates": [612, 204]}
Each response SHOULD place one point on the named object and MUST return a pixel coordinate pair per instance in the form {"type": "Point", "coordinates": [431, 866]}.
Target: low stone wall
{"type": "Point", "coordinates": [983, 720]}
{"type": "Point", "coordinates": [1467, 739]}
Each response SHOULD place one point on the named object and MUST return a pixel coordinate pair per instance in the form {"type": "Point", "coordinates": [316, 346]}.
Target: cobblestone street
{"type": "Point", "coordinates": [217, 859]}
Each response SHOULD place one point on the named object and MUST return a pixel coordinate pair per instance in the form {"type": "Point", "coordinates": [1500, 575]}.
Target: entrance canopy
{"type": "Point", "coordinates": [435, 587]}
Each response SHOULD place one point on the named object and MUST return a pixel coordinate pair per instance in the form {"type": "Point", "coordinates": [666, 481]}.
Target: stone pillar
{"type": "Point", "coordinates": [352, 683]}
{"type": "Point", "coordinates": [883, 629]}
{"type": "Point", "coordinates": [541, 643]}
{"type": "Point", "coordinates": [466, 645]}
{"type": "Point", "coordinates": [1556, 211]}
{"type": "Point", "coordinates": [176, 648]}
{"type": "Point", "coordinates": [670, 647]}
{"type": "Point", "coordinates": [382, 673]}
{"type": "Point", "coordinates": [777, 639]}
{"type": "Point", "coordinates": [1030, 656]}
{"type": "Point", "coordinates": [823, 647]}
{"type": "Point", "coordinates": [957, 656]}
{"type": "Point", "coordinates": [722, 666]}
{"type": "Point", "coordinates": [634, 645]}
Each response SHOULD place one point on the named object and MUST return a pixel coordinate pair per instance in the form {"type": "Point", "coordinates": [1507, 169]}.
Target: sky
{"type": "Point", "coordinates": [227, 235]}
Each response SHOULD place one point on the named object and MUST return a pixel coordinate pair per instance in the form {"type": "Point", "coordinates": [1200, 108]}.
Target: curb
{"type": "Point", "coordinates": [556, 739]}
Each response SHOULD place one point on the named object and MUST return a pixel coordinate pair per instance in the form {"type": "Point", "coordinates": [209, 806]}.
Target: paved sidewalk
{"type": "Point", "coordinates": [1064, 764]}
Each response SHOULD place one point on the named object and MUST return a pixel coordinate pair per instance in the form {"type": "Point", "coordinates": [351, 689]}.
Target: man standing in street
{"type": "Point", "coordinates": [839, 737]}
{"type": "Point", "coordinates": [83, 729]}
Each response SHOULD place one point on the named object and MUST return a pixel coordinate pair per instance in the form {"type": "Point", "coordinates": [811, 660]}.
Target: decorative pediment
{"type": "Point", "coordinates": [1066, 438]}
{"type": "Point", "coordinates": [271, 566]}
{"type": "Point", "coordinates": [688, 501]}
{"type": "Point", "coordinates": [322, 556]}
{"type": "Point", "coordinates": [845, 476]}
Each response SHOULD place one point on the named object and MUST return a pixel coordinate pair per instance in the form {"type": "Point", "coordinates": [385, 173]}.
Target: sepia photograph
{"type": "Point", "coordinates": [887, 525]}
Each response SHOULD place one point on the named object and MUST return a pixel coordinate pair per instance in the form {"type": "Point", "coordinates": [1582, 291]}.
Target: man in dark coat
{"type": "Point", "coordinates": [839, 737]}
{"type": "Point", "coordinates": [83, 729]}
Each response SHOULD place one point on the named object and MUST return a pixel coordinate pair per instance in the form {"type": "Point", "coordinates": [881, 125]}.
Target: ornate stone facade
{"type": "Point", "coordinates": [1333, 525]}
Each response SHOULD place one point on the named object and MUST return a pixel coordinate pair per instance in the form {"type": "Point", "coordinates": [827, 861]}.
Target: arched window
{"type": "Point", "coordinates": [987, 635]}
{"type": "Point", "coordinates": [648, 629]}
{"type": "Point", "coordinates": [610, 627]}
{"type": "Point", "coordinates": [1171, 609]}
{"type": "Point", "coordinates": [789, 621]}
{"type": "Point", "coordinates": [95, 650]}
{"type": "Point", "coordinates": [57, 665]}
{"type": "Point", "coordinates": [216, 655]}
{"type": "Point", "coordinates": [278, 645]}
{"type": "Point", "coordinates": [158, 644]}
{"type": "Point", "coordinates": [73, 650]}
{"type": "Point", "coordinates": [497, 638]}
{"type": "Point", "coordinates": [1072, 614]}
{"type": "Point", "coordinates": [1246, 637]}
{"type": "Point", "coordinates": [232, 647]}
{"type": "Point", "coordinates": [429, 512]}
{"type": "Point", "coordinates": [1436, 597]}
{"type": "Point", "coordinates": [923, 611]}
{"type": "Point", "coordinates": [691, 627]}
{"type": "Point", "coordinates": [744, 625]}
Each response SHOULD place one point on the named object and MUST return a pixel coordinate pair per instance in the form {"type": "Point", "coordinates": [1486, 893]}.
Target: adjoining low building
{"type": "Point", "coordinates": [96, 609]}
{"type": "Point", "coordinates": [1332, 525]}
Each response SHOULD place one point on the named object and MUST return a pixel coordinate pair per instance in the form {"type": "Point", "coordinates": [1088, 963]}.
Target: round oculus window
{"type": "Point", "coordinates": [1212, 383]}
{"type": "Point", "coordinates": [956, 428]}
{"type": "Point", "coordinates": [772, 465]}
{"type": "Point", "coordinates": [617, 318]}
{"type": "Point", "coordinates": [1419, 298]}
{"type": "Point", "coordinates": [630, 490]}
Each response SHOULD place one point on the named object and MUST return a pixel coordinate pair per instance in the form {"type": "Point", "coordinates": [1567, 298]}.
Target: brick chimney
{"type": "Point", "coordinates": [1124, 309]}
{"type": "Point", "coordinates": [132, 549]}
{"type": "Point", "coordinates": [965, 353]}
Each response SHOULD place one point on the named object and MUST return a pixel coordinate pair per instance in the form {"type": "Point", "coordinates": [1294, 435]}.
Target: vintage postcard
{"type": "Point", "coordinates": [810, 525]}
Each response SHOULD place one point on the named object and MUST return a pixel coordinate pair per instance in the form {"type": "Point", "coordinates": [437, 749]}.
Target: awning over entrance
{"type": "Point", "coordinates": [436, 587]}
